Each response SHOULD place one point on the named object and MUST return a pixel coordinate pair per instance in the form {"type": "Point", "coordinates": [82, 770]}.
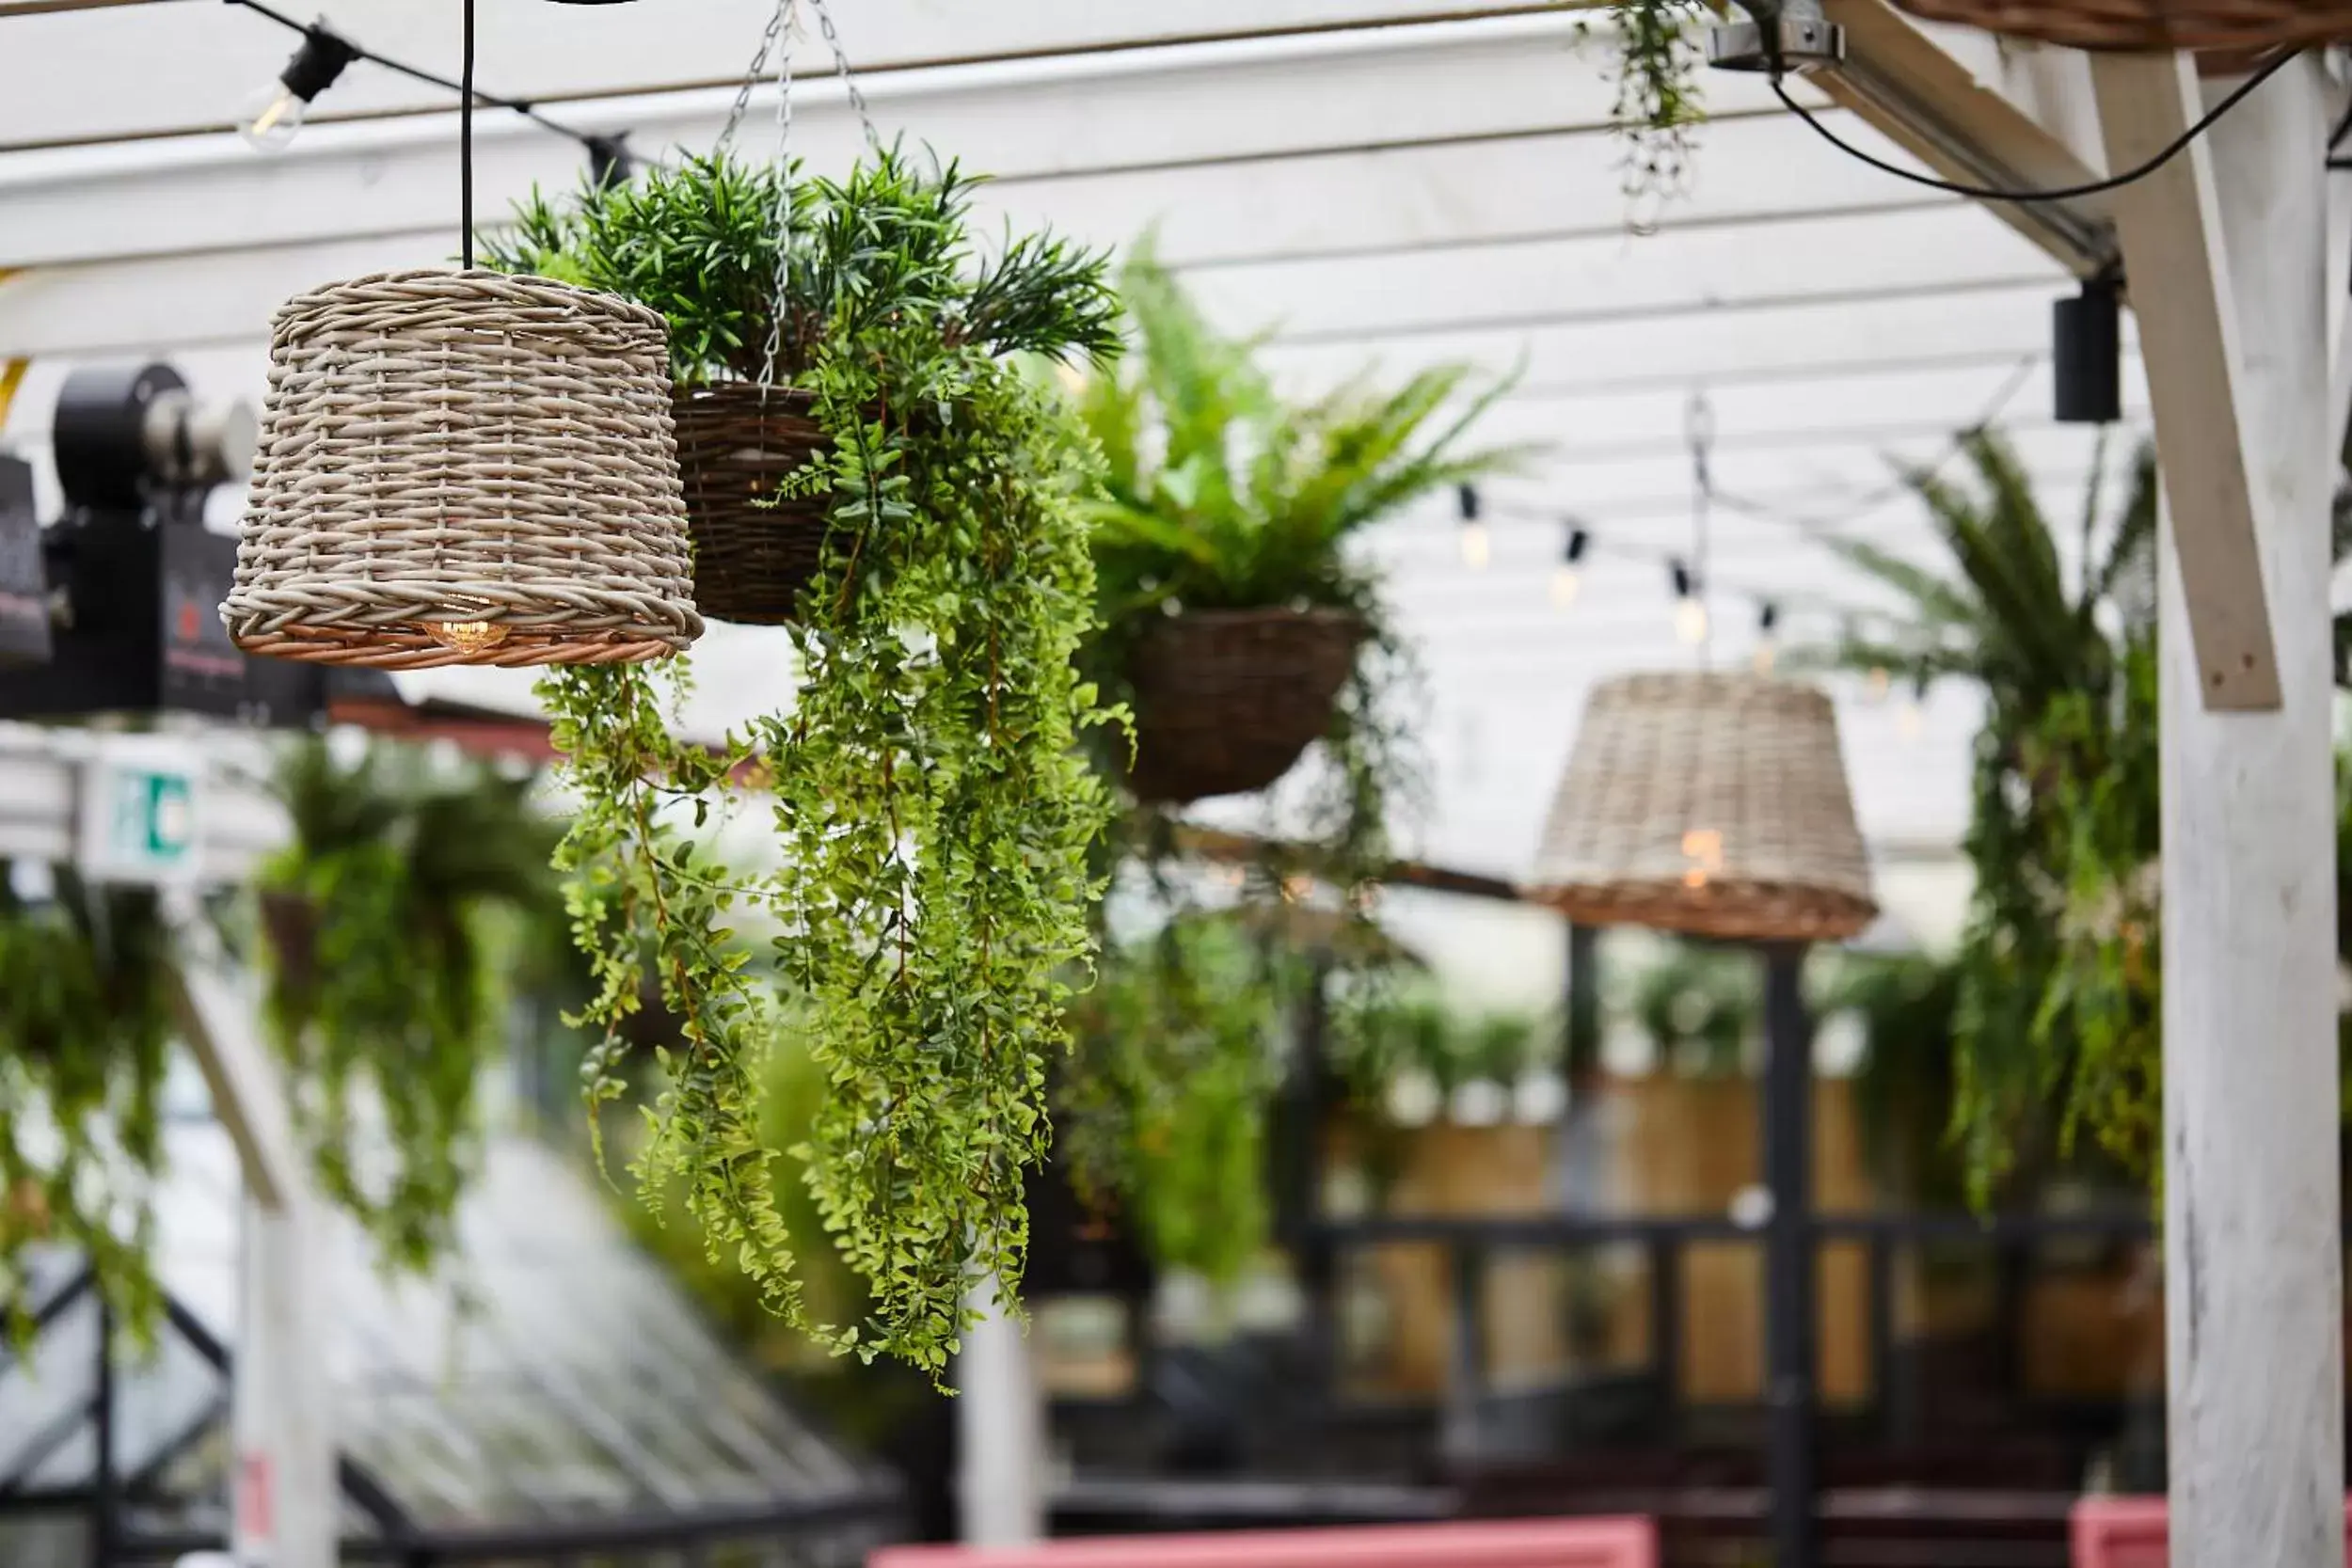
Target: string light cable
{"type": "Point", "coordinates": [2067, 193]}
{"type": "Point", "coordinates": [605, 150]}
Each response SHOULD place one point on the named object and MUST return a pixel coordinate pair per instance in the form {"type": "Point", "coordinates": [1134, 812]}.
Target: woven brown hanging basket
{"type": "Point", "coordinates": [1226, 701]}
{"type": "Point", "coordinates": [2152, 24]}
{"type": "Point", "coordinates": [755, 550]}
{"type": "Point", "coordinates": [463, 467]}
{"type": "Point", "coordinates": [1710, 804]}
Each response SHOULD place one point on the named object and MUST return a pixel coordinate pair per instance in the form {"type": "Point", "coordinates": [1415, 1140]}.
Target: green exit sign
{"type": "Point", "coordinates": [141, 812]}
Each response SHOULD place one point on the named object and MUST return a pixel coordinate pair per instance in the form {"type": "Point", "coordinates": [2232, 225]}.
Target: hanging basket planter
{"type": "Point", "coordinates": [755, 544]}
{"type": "Point", "coordinates": [1226, 701]}
{"type": "Point", "coordinates": [465, 468]}
{"type": "Point", "coordinates": [2152, 24]}
{"type": "Point", "coordinates": [1713, 805]}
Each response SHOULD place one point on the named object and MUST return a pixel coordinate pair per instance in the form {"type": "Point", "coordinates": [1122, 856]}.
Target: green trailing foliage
{"type": "Point", "coordinates": [1181, 1047]}
{"type": "Point", "coordinates": [1659, 103]}
{"type": "Point", "coordinates": [932, 807]}
{"type": "Point", "coordinates": [85, 1027]}
{"type": "Point", "coordinates": [379, 961]}
{"type": "Point", "coordinates": [2056, 1006]}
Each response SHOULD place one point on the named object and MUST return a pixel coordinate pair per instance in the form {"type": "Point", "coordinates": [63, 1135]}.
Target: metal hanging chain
{"type": "Point", "coordinates": [1699, 427]}
{"type": "Point", "coordinates": [848, 77]}
{"type": "Point", "coordinates": [780, 297]}
{"type": "Point", "coordinates": [759, 69]}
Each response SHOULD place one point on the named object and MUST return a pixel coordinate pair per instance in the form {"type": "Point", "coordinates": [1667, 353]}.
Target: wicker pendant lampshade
{"type": "Point", "coordinates": [2158, 24]}
{"type": "Point", "coordinates": [1710, 804]}
{"type": "Point", "coordinates": [465, 468]}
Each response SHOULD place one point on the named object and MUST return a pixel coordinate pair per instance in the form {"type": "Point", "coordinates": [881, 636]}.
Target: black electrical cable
{"type": "Point", "coordinates": [2069, 193]}
{"type": "Point", "coordinates": [464, 142]}
{"type": "Point", "coordinates": [522, 106]}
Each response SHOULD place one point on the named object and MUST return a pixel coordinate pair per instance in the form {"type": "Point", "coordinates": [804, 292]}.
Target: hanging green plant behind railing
{"type": "Point", "coordinates": [85, 1029]}
{"type": "Point", "coordinates": [932, 808]}
{"type": "Point", "coordinates": [379, 981]}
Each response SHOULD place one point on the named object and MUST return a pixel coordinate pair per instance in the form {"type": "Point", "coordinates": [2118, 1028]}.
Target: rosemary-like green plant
{"type": "Point", "coordinates": [931, 806]}
{"type": "Point", "coordinates": [84, 1032]}
{"type": "Point", "coordinates": [378, 971]}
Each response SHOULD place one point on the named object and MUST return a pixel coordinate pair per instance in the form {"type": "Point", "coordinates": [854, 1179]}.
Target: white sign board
{"type": "Point", "coordinates": [140, 811]}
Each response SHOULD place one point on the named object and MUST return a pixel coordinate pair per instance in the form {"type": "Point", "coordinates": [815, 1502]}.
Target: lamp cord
{"type": "Point", "coordinates": [464, 142]}
{"type": "Point", "coordinates": [1987, 193]}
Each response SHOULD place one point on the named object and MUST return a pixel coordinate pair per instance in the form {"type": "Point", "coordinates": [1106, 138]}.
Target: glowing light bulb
{"type": "Point", "coordinates": [1477, 546]}
{"type": "Point", "coordinates": [272, 118]}
{"type": "Point", "coordinates": [1567, 582]}
{"type": "Point", "coordinates": [1911, 719]}
{"type": "Point", "coordinates": [1691, 620]}
{"type": "Point", "coordinates": [1703, 849]}
{"type": "Point", "coordinates": [1767, 655]}
{"type": "Point", "coordinates": [468, 637]}
{"type": "Point", "coordinates": [1880, 684]}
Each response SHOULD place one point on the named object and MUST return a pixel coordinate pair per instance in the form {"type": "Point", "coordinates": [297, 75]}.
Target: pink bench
{"type": "Point", "coordinates": [2129, 1533]}
{"type": "Point", "coordinates": [1546, 1544]}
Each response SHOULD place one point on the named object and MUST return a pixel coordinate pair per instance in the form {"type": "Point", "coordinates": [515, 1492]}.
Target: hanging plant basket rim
{"type": "Point", "coordinates": [340, 561]}
{"type": "Point", "coordinates": [1232, 721]}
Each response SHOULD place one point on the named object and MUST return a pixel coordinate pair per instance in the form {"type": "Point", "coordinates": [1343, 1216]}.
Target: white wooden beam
{"type": "Point", "coordinates": [1979, 112]}
{"type": "Point", "coordinates": [2192, 338]}
{"type": "Point", "coordinates": [147, 72]}
{"type": "Point", "coordinates": [2234, 304]}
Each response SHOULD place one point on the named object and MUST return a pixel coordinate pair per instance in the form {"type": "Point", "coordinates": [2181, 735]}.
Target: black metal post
{"type": "Point", "coordinates": [1583, 1006]}
{"type": "Point", "coordinates": [1665, 1330]}
{"type": "Point", "coordinates": [1297, 1175]}
{"type": "Point", "coordinates": [1466, 1369]}
{"type": "Point", "coordinates": [1885, 1376]}
{"type": "Point", "coordinates": [1790, 1328]}
{"type": "Point", "coordinates": [102, 1501]}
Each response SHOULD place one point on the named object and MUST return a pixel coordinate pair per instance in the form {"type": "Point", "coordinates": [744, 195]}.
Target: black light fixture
{"type": "Point", "coordinates": [273, 116]}
{"type": "Point", "coordinates": [1767, 637]}
{"type": "Point", "coordinates": [1690, 610]}
{"type": "Point", "coordinates": [610, 161]}
{"type": "Point", "coordinates": [1477, 547]}
{"type": "Point", "coordinates": [2086, 354]}
{"type": "Point", "coordinates": [1568, 578]}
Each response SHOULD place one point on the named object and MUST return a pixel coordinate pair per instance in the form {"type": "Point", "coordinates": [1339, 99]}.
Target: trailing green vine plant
{"type": "Point", "coordinates": [84, 1033]}
{"type": "Point", "coordinates": [379, 970]}
{"type": "Point", "coordinates": [931, 806]}
{"type": "Point", "coordinates": [1659, 105]}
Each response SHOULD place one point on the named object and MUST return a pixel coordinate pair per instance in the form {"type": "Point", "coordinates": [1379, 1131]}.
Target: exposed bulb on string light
{"type": "Point", "coordinates": [1477, 546]}
{"type": "Point", "coordinates": [1567, 579]}
{"type": "Point", "coordinates": [1690, 611]}
{"type": "Point", "coordinates": [1911, 717]}
{"type": "Point", "coordinates": [1879, 683]}
{"type": "Point", "coordinates": [270, 119]}
{"type": "Point", "coordinates": [1767, 638]}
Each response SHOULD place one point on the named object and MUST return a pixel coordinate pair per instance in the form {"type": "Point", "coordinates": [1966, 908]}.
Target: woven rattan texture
{"type": "Point", "coordinates": [1226, 700]}
{"type": "Point", "coordinates": [755, 550]}
{"type": "Point", "coordinates": [1711, 804]}
{"type": "Point", "coordinates": [464, 449]}
{"type": "Point", "coordinates": [2234, 24]}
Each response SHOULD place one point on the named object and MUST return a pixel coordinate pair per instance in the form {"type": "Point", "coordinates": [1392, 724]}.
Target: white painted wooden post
{"type": "Point", "coordinates": [1000, 1433]}
{"type": "Point", "coordinates": [2229, 271]}
{"type": "Point", "coordinates": [283, 1491]}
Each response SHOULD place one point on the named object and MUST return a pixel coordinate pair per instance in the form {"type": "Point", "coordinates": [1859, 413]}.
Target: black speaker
{"type": "Point", "coordinates": [2087, 355]}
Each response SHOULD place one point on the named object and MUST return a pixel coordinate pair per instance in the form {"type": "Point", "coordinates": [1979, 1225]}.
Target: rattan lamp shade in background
{"type": "Point", "coordinates": [2159, 24]}
{"type": "Point", "coordinates": [465, 468]}
{"type": "Point", "coordinates": [1714, 805]}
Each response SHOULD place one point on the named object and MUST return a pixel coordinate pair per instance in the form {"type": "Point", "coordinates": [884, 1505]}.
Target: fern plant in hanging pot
{"type": "Point", "coordinates": [1236, 618]}
{"type": "Point", "coordinates": [927, 904]}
